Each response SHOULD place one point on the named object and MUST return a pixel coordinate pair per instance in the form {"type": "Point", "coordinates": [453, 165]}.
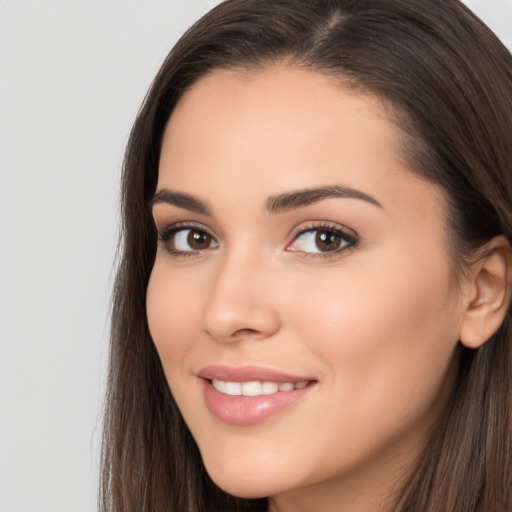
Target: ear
{"type": "Point", "coordinates": [490, 293]}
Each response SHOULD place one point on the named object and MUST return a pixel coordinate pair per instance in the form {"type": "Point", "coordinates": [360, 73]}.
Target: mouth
{"type": "Point", "coordinates": [251, 395]}
{"type": "Point", "coordinates": [255, 388]}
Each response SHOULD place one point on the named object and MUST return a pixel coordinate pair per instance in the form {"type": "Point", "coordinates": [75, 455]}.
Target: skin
{"type": "Point", "coordinates": [376, 324]}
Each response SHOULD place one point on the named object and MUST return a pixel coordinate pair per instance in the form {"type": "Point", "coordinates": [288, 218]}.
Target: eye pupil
{"type": "Point", "coordinates": [327, 241]}
{"type": "Point", "coordinates": [198, 240]}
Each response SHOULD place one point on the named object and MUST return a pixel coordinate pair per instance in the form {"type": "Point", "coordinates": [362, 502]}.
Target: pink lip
{"type": "Point", "coordinates": [248, 374]}
{"type": "Point", "coordinates": [249, 410]}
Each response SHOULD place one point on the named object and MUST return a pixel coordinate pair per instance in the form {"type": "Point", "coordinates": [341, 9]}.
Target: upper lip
{"type": "Point", "coordinates": [248, 374]}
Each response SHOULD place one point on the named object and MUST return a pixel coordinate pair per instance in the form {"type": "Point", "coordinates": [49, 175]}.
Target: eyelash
{"type": "Point", "coordinates": [166, 236]}
{"type": "Point", "coordinates": [351, 241]}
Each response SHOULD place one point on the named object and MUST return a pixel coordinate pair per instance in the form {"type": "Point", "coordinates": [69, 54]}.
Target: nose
{"type": "Point", "coordinates": [241, 304]}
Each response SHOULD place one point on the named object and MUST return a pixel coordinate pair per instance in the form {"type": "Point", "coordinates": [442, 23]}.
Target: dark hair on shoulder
{"type": "Point", "coordinates": [447, 81]}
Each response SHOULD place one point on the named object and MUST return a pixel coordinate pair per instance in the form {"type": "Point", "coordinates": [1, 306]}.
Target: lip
{"type": "Point", "coordinates": [249, 373]}
{"type": "Point", "coordinates": [250, 410]}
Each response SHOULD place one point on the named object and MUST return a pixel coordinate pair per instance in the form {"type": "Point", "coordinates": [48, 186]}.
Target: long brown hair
{"type": "Point", "coordinates": [448, 82]}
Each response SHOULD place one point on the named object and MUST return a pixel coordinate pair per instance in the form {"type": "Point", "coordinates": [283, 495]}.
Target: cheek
{"type": "Point", "coordinates": [389, 333]}
{"type": "Point", "coordinates": [172, 309]}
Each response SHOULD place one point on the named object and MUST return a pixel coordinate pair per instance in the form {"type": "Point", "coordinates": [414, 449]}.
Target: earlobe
{"type": "Point", "coordinates": [490, 295]}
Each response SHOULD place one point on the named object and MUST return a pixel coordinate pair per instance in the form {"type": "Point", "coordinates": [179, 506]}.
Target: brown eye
{"type": "Point", "coordinates": [327, 241]}
{"type": "Point", "coordinates": [191, 240]}
{"type": "Point", "coordinates": [198, 240]}
{"type": "Point", "coordinates": [322, 240]}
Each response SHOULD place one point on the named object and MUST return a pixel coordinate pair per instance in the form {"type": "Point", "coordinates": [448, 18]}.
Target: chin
{"type": "Point", "coordinates": [243, 486]}
{"type": "Point", "coordinates": [245, 482]}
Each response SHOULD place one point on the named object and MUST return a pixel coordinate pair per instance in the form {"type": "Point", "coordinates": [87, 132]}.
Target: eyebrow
{"type": "Point", "coordinates": [181, 200]}
{"type": "Point", "coordinates": [302, 198]}
{"type": "Point", "coordinates": [274, 204]}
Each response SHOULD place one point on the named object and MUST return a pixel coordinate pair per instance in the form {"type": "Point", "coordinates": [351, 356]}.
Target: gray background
{"type": "Point", "coordinates": [72, 77]}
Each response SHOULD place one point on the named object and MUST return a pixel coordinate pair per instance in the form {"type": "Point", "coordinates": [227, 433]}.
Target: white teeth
{"type": "Point", "coordinates": [255, 388]}
{"type": "Point", "coordinates": [268, 388]}
{"type": "Point", "coordinates": [251, 388]}
{"type": "Point", "coordinates": [233, 388]}
{"type": "Point", "coordinates": [219, 385]}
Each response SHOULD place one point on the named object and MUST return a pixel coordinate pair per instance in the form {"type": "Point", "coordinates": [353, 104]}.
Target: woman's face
{"type": "Point", "coordinates": [302, 263]}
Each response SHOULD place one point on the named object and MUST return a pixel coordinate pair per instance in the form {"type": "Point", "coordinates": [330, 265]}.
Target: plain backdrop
{"type": "Point", "coordinates": [72, 77]}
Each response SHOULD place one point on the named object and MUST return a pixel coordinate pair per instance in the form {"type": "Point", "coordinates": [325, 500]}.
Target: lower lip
{"type": "Point", "coordinates": [249, 410]}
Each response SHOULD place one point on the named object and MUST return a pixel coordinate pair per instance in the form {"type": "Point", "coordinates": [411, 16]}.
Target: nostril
{"type": "Point", "coordinates": [245, 332]}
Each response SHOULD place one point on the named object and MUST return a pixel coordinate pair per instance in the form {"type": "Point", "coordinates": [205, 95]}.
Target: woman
{"type": "Point", "coordinates": [312, 310]}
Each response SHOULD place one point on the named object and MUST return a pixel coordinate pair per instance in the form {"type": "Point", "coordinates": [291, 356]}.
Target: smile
{"type": "Point", "coordinates": [255, 388]}
{"type": "Point", "coordinates": [249, 395]}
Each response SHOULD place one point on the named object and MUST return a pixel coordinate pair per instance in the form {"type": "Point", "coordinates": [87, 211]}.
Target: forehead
{"type": "Point", "coordinates": [278, 102]}
{"type": "Point", "coordinates": [280, 129]}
